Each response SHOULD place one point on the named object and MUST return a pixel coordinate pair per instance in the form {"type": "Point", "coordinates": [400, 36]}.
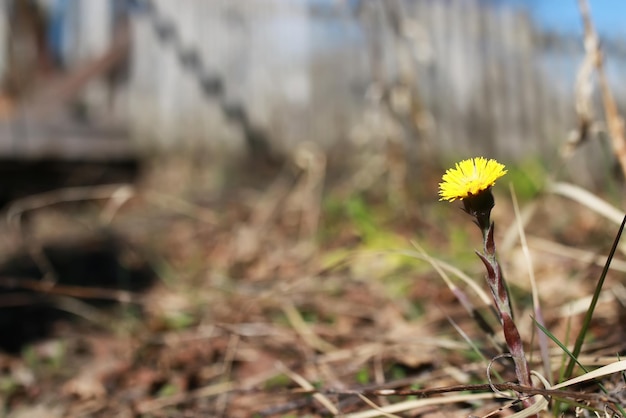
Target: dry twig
{"type": "Point", "coordinates": [614, 121]}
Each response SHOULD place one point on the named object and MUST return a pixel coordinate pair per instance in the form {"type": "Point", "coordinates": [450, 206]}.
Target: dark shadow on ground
{"type": "Point", "coordinates": [28, 313]}
{"type": "Point", "coordinates": [21, 178]}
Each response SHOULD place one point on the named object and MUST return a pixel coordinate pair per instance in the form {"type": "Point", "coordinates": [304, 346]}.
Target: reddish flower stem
{"type": "Point", "coordinates": [500, 294]}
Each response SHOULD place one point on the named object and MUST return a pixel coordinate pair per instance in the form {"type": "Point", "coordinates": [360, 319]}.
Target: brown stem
{"type": "Point", "coordinates": [500, 293]}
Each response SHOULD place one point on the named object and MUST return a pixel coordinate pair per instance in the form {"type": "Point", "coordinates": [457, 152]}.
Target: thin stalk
{"type": "Point", "coordinates": [500, 294]}
{"type": "Point", "coordinates": [592, 306]}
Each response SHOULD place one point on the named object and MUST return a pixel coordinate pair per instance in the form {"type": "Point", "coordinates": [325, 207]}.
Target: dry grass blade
{"type": "Point", "coordinates": [453, 288]}
{"type": "Point", "coordinates": [510, 236]}
{"type": "Point", "coordinates": [618, 366]}
{"type": "Point", "coordinates": [376, 407]}
{"type": "Point", "coordinates": [539, 405]}
{"type": "Point", "coordinates": [581, 305]}
{"type": "Point", "coordinates": [420, 403]}
{"type": "Point", "coordinates": [178, 205]}
{"type": "Point", "coordinates": [575, 254]}
{"type": "Point", "coordinates": [543, 341]}
{"type": "Point", "coordinates": [307, 334]}
{"type": "Point", "coordinates": [466, 337]}
{"type": "Point", "coordinates": [461, 295]}
{"type": "Point", "coordinates": [588, 199]}
{"type": "Point", "coordinates": [167, 401]}
{"type": "Point", "coordinates": [83, 292]}
{"type": "Point", "coordinates": [72, 194]}
{"type": "Point", "coordinates": [305, 384]}
{"type": "Point", "coordinates": [440, 266]}
{"type": "Point", "coordinates": [524, 390]}
{"type": "Point", "coordinates": [614, 121]}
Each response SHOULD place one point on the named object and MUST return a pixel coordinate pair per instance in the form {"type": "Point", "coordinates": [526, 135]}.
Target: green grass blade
{"type": "Point", "coordinates": [592, 306]}
{"type": "Point", "coordinates": [560, 344]}
{"type": "Point", "coordinates": [573, 358]}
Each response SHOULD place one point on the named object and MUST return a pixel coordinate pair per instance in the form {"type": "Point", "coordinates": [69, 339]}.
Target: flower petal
{"type": "Point", "coordinates": [470, 177]}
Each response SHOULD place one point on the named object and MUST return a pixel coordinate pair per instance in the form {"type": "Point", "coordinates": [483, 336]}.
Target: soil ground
{"type": "Point", "coordinates": [204, 293]}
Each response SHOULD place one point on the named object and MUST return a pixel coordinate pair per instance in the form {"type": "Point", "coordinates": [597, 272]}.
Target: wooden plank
{"type": "Point", "coordinates": [27, 139]}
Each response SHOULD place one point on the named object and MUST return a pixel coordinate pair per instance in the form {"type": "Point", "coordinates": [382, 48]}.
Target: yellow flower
{"type": "Point", "coordinates": [469, 178]}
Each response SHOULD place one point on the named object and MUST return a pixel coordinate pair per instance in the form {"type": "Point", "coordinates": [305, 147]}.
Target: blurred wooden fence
{"type": "Point", "coordinates": [467, 76]}
{"type": "Point", "coordinates": [217, 73]}
{"type": "Point", "coordinates": [458, 76]}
